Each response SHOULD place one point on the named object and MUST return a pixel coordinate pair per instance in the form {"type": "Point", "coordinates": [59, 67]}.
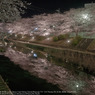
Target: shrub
{"type": "Point", "coordinates": [19, 36]}
{"type": "Point", "coordinates": [55, 39]}
{"type": "Point", "coordinates": [66, 36]}
{"type": "Point", "coordinates": [2, 49]}
{"type": "Point", "coordinates": [39, 38]}
{"type": "Point", "coordinates": [61, 37]}
{"type": "Point", "coordinates": [76, 40]}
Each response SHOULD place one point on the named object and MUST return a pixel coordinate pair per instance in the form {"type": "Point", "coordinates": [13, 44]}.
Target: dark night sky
{"type": "Point", "coordinates": [59, 3]}
{"type": "Point", "coordinates": [42, 6]}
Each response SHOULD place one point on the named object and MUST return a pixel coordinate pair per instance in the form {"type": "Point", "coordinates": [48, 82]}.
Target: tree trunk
{"type": "Point", "coordinates": [3, 33]}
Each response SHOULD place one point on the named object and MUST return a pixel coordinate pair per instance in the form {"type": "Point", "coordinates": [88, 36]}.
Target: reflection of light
{"type": "Point", "coordinates": [32, 51]}
{"type": "Point", "coordinates": [77, 85]}
{"type": "Point", "coordinates": [53, 26]}
{"type": "Point", "coordinates": [31, 34]}
{"type": "Point", "coordinates": [66, 61]}
{"type": "Point", "coordinates": [5, 44]}
{"type": "Point", "coordinates": [46, 55]}
{"type": "Point", "coordinates": [85, 16]}
{"type": "Point", "coordinates": [33, 38]}
{"type": "Point", "coordinates": [48, 38]}
{"type": "Point", "coordinates": [15, 35]}
{"type": "Point", "coordinates": [45, 34]}
{"type": "Point", "coordinates": [10, 31]}
{"type": "Point", "coordinates": [68, 41]}
{"type": "Point", "coordinates": [22, 36]}
{"type": "Point", "coordinates": [45, 29]}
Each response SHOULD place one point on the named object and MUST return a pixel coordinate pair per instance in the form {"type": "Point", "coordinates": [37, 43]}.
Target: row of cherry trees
{"type": "Point", "coordinates": [10, 11]}
{"type": "Point", "coordinates": [74, 20]}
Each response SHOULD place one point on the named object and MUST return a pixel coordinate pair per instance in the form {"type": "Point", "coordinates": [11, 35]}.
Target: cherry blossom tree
{"type": "Point", "coordinates": [10, 10]}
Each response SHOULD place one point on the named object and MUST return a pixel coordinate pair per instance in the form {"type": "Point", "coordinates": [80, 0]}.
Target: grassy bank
{"type": "Point", "coordinates": [56, 57]}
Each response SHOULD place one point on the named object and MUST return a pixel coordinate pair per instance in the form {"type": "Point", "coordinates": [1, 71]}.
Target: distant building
{"type": "Point", "coordinates": [88, 35]}
{"type": "Point", "coordinates": [89, 5]}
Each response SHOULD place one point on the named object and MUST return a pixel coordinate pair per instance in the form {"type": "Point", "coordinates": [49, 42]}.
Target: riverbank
{"type": "Point", "coordinates": [21, 80]}
{"type": "Point", "coordinates": [53, 74]}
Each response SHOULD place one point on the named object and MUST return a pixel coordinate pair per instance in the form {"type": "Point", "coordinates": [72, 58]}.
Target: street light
{"type": "Point", "coordinates": [32, 51]}
{"type": "Point", "coordinates": [85, 17]}
{"type": "Point", "coordinates": [46, 34]}
{"type": "Point", "coordinates": [35, 29]}
{"type": "Point", "coordinates": [10, 31]}
{"type": "Point", "coordinates": [77, 85]}
{"type": "Point", "coordinates": [68, 41]}
{"type": "Point", "coordinates": [33, 38]}
{"type": "Point", "coordinates": [15, 35]}
{"type": "Point", "coordinates": [48, 39]}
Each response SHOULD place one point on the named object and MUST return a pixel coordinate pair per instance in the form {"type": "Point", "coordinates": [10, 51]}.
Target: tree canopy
{"type": "Point", "coordinates": [84, 18]}
{"type": "Point", "coordinates": [11, 10]}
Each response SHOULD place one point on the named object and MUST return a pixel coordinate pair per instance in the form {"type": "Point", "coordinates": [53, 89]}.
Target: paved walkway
{"type": "Point", "coordinates": [73, 50]}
